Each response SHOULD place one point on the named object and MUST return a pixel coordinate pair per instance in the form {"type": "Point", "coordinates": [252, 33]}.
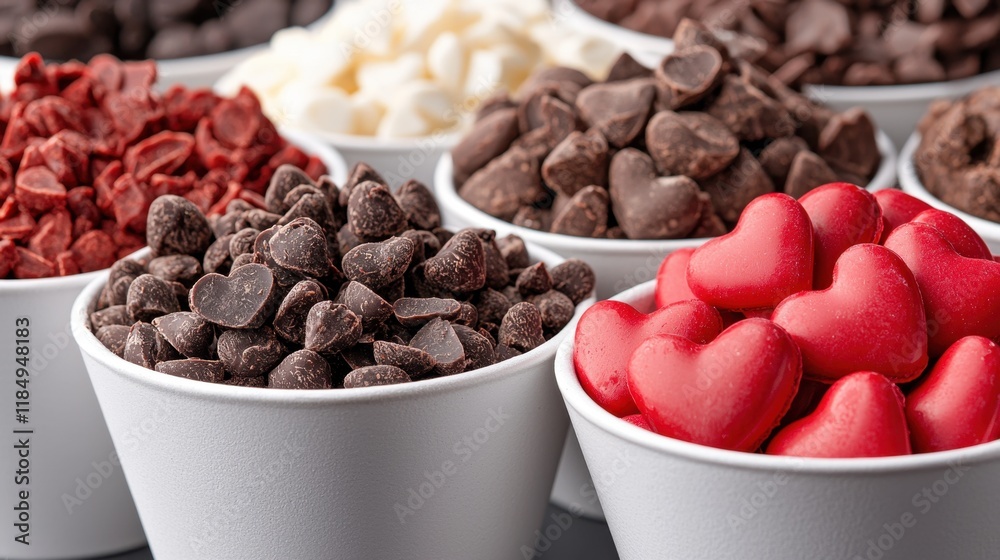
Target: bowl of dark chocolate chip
{"type": "Point", "coordinates": [952, 161]}
{"type": "Point", "coordinates": [193, 41]}
{"type": "Point", "coordinates": [622, 172]}
{"type": "Point", "coordinates": [891, 58]}
{"type": "Point", "coordinates": [336, 368]}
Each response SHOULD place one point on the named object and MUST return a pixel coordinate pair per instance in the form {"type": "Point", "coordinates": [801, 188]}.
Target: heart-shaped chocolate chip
{"type": "Point", "coordinates": [243, 300]}
{"type": "Point", "coordinates": [579, 161]}
{"type": "Point", "coordinates": [749, 113]}
{"type": "Point", "coordinates": [377, 265]}
{"type": "Point", "coordinates": [331, 327]}
{"type": "Point", "coordinates": [301, 246]}
{"type": "Point", "coordinates": [460, 266]}
{"type": "Point", "coordinates": [692, 144]}
{"type": "Point", "coordinates": [690, 73]}
{"type": "Point", "coordinates": [651, 207]}
{"type": "Point", "coordinates": [619, 110]}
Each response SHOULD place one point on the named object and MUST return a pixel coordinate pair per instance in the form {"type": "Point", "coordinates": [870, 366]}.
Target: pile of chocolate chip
{"type": "Point", "coordinates": [958, 159]}
{"type": "Point", "coordinates": [669, 154]}
{"type": "Point", "coordinates": [137, 29]}
{"type": "Point", "coordinates": [838, 42]}
{"type": "Point", "coordinates": [329, 287]}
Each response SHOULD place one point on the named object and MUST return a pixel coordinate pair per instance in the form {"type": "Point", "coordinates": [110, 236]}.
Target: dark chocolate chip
{"type": "Point", "coordinates": [377, 265]}
{"type": "Point", "coordinates": [217, 258]}
{"type": "Point", "coordinates": [373, 213]}
{"type": "Point", "coordinates": [366, 304]}
{"type": "Point", "coordinates": [149, 297]}
{"type": "Point", "coordinates": [414, 361]}
{"type": "Point", "coordinates": [243, 300]}
{"type": "Point", "coordinates": [574, 278]}
{"type": "Point", "coordinates": [303, 369]}
{"type": "Point", "coordinates": [242, 242]}
{"type": "Point", "coordinates": [114, 337]}
{"type": "Point", "coordinates": [521, 328]}
{"type": "Point", "coordinates": [514, 251]}
{"type": "Point", "coordinates": [534, 280]}
{"type": "Point", "coordinates": [114, 315]}
{"type": "Point", "coordinates": [415, 312]}
{"type": "Point", "coordinates": [373, 376]}
{"type": "Point", "coordinates": [286, 177]}
{"type": "Point", "coordinates": [438, 339]}
{"type": "Point", "coordinates": [418, 203]}
{"type": "Point", "coordinates": [478, 348]}
{"type": "Point", "coordinates": [250, 353]}
{"type": "Point", "coordinates": [331, 327]}
{"type": "Point", "coordinates": [175, 226]}
{"type": "Point", "coordinates": [505, 184]}
{"type": "Point", "coordinates": [187, 332]}
{"type": "Point", "coordinates": [301, 246]}
{"type": "Point", "coordinates": [491, 305]}
{"type": "Point", "coordinates": [555, 308]}
{"type": "Point", "coordinates": [290, 320]}
{"type": "Point", "coordinates": [460, 265]}
{"type": "Point", "coordinates": [142, 345]}
{"type": "Point", "coordinates": [210, 371]}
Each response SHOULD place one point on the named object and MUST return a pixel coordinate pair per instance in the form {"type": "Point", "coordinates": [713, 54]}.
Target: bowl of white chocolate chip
{"type": "Point", "coordinates": [395, 83]}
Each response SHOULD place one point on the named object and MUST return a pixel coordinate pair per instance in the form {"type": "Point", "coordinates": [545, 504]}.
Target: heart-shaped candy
{"type": "Point", "coordinates": [963, 238]}
{"type": "Point", "coordinates": [958, 403]}
{"type": "Point", "coordinates": [671, 279]}
{"type": "Point", "coordinates": [842, 215]}
{"type": "Point", "coordinates": [860, 416]}
{"type": "Point", "coordinates": [243, 300]}
{"type": "Point", "coordinates": [767, 257]}
{"type": "Point", "coordinates": [961, 295]}
{"type": "Point", "coordinates": [870, 319]}
{"type": "Point", "coordinates": [610, 331]}
{"type": "Point", "coordinates": [898, 208]}
{"type": "Point", "coordinates": [728, 394]}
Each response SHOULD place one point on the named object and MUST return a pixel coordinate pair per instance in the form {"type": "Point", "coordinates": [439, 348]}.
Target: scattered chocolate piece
{"type": "Point", "coordinates": [373, 376]}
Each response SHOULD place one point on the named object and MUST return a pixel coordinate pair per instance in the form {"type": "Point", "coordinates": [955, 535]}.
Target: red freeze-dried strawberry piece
{"type": "Point", "coordinates": [37, 190]}
{"type": "Point", "coordinates": [161, 153]}
{"type": "Point", "coordinates": [51, 114]}
{"type": "Point", "coordinates": [94, 250]}
{"type": "Point", "coordinates": [66, 158]}
{"type": "Point", "coordinates": [133, 114]}
{"type": "Point", "coordinates": [232, 193]}
{"type": "Point", "coordinates": [289, 154]}
{"type": "Point", "coordinates": [33, 154]}
{"type": "Point", "coordinates": [30, 265]}
{"type": "Point", "coordinates": [253, 198]}
{"type": "Point", "coordinates": [62, 75]}
{"type": "Point", "coordinates": [8, 257]}
{"type": "Point", "coordinates": [8, 208]}
{"type": "Point", "coordinates": [236, 121]}
{"type": "Point", "coordinates": [139, 75]}
{"type": "Point", "coordinates": [104, 184]}
{"type": "Point", "coordinates": [204, 195]}
{"type": "Point", "coordinates": [130, 203]}
{"type": "Point", "coordinates": [6, 179]}
{"type": "Point", "coordinates": [160, 184]}
{"type": "Point", "coordinates": [19, 226]}
{"type": "Point", "coordinates": [128, 243]}
{"type": "Point", "coordinates": [30, 70]}
{"type": "Point", "coordinates": [16, 135]}
{"type": "Point", "coordinates": [82, 92]}
{"type": "Point", "coordinates": [186, 107]}
{"type": "Point", "coordinates": [66, 264]}
{"type": "Point", "coordinates": [53, 235]}
{"type": "Point", "coordinates": [209, 150]}
{"type": "Point", "coordinates": [108, 71]}
{"type": "Point", "coordinates": [316, 168]}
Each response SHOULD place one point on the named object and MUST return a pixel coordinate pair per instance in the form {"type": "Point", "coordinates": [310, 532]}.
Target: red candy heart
{"type": "Point", "coordinates": [609, 332]}
{"type": "Point", "coordinates": [767, 257]}
{"type": "Point", "coordinates": [961, 295]}
{"type": "Point", "coordinates": [958, 404]}
{"type": "Point", "coordinates": [842, 215]}
{"type": "Point", "coordinates": [671, 279]}
{"type": "Point", "coordinates": [963, 238]}
{"type": "Point", "coordinates": [870, 319]}
{"type": "Point", "coordinates": [860, 416]}
{"type": "Point", "coordinates": [898, 208]}
{"type": "Point", "coordinates": [728, 394]}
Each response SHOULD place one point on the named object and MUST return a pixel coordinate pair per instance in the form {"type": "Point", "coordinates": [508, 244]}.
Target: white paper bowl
{"type": "Point", "coordinates": [619, 265]}
{"type": "Point", "coordinates": [911, 184]}
{"type": "Point", "coordinates": [396, 159]}
{"type": "Point", "coordinates": [457, 467]}
{"type": "Point", "coordinates": [666, 498]}
{"type": "Point", "coordinates": [898, 109]}
{"type": "Point", "coordinates": [645, 48]}
{"type": "Point", "coordinates": [79, 503]}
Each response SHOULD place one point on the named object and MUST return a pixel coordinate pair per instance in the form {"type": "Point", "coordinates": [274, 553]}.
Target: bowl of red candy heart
{"type": "Point", "coordinates": [823, 377]}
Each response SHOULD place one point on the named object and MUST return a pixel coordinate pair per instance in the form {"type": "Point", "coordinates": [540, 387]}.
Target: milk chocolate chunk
{"type": "Point", "coordinates": [807, 172]}
{"type": "Point", "coordinates": [579, 161]}
{"type": "Point", "coordinates": [737, 186]}
{"type": "Point", "coordinates": [848, 142]}
{"type": "Point", "coordinates": [489, 137]}
{"type": "Point", "coordinates": [749, 113]}
{"type": "Point", "coordinates": [619, 110]}
{"type": "Point", "coordinates": [647, 206]}
{"type": "Point", "coordinates": [688, 143]}
{"type": "Point", "coordinates": [690, 73]}
{"type": "Point", "coordinates": [505, 184]}
{"type": "Point", "coordinates": [585, 215]}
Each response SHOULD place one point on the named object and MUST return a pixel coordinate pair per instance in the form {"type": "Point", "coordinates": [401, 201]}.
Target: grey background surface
{"type": "Point", "coordinates": [582, 540]}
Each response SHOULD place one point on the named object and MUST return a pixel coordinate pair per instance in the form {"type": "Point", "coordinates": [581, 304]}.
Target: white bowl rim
{"type": "Point", "coordinates": [336, 168]}
{"type": "Point", "coordinates": [179, 386]}
{"type": "Point", "coordinates": [911, 184]}
{"type": "Point", "coordinates": [447, 195]}
{"type": "Point", "coordinates": [441, 141]}
{"type": "Point", "coordinates": [650, 45]}
{"type": "Point", "coordinates": [577, 399]}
